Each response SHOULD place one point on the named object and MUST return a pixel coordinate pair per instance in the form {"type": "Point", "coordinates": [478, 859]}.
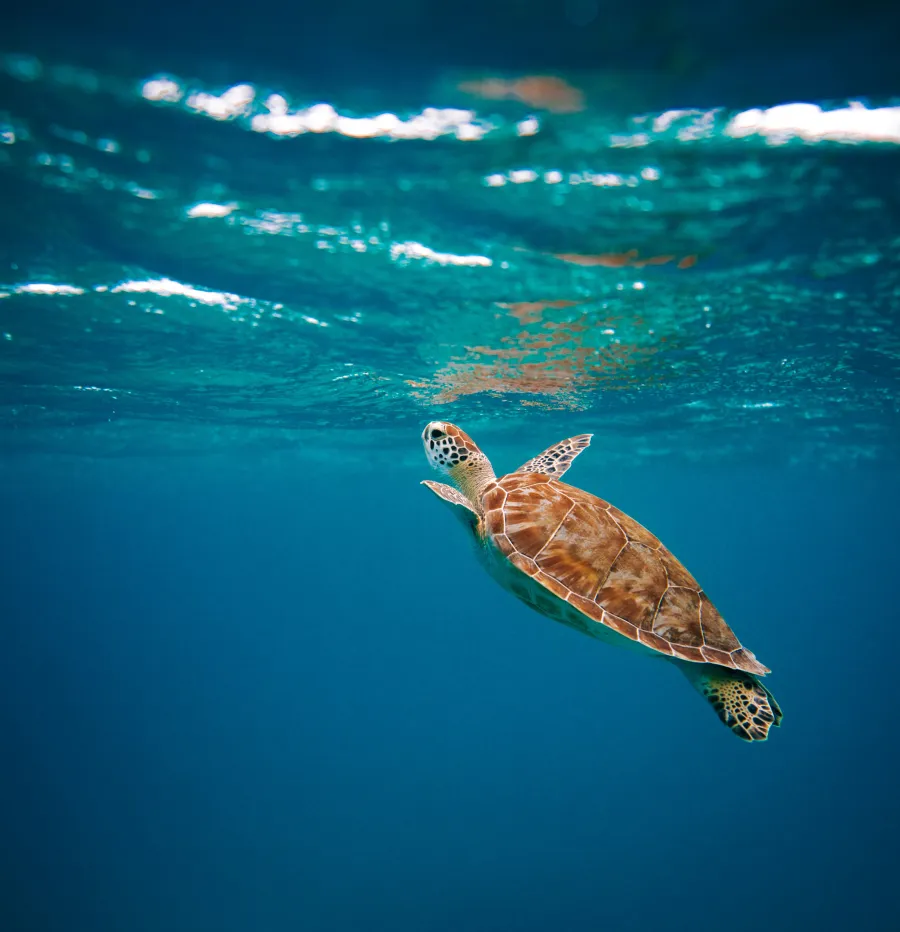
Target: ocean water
{"type": "Point", "coordinates": [252, 676]}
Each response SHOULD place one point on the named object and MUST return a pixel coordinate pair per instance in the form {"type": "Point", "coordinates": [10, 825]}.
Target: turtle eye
{"type": "Point", "coordinates": [437, 434]}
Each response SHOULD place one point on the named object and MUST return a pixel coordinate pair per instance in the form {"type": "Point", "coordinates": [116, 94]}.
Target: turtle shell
{"type": "Point", "coordinates": [609, 568]}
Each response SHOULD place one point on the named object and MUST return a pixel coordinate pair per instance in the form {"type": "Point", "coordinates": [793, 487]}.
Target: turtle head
{"type": "Point", "coordinates": [453, 452]}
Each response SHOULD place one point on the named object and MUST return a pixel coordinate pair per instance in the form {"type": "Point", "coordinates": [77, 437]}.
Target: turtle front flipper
{"type": "Point", "coordinates": [448, 494]}
{"type": "Point", "coordinates": [740, 699]}
{"type": "Point", "coordinates": [557, 459]}
{"type": "Point", "coordinates": [462, 507]}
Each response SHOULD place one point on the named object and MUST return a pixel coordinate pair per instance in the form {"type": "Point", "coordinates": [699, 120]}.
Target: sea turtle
{"type": "Point", "coordinates": [577, 559]}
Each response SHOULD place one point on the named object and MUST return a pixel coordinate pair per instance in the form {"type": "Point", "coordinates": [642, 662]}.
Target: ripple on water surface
{"type": "Point", "coordinates": [201, 267]}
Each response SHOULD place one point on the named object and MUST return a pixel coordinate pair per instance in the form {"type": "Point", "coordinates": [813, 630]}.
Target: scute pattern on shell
{"type": "Point", "coordinates": [609, 567]}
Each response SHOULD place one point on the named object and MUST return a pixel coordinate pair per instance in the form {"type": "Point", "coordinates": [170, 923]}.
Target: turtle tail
{"type": "Point", "coordinates": [740, 699]}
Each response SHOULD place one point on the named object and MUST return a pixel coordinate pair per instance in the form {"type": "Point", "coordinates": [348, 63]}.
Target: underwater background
{"type": "Point", "coordinates": [252, 677]}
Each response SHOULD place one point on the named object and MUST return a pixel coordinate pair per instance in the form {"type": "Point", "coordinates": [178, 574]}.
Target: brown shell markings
{"type": "Point", "coordinates": [609, 567]}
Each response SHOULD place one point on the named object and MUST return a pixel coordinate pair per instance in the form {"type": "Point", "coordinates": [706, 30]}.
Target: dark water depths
{"type": "Point", "coordinates": [253, 678]}
{"type": "Point", "coordinates": [236, 698]}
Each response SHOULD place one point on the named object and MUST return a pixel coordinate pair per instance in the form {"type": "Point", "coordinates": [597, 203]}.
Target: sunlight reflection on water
{"type": "Point", "coordinates": [513, 245]}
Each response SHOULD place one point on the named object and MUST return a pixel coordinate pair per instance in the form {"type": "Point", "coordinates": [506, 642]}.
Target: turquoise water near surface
{"type": "Point", "coordinates": [679, 281]}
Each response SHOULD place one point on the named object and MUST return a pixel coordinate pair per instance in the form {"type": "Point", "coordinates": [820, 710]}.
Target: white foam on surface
{"type": "Point", "coordinates": [166, 287]}
{"type": "Point", "coordinates": [809, 122]}
{"type": "Point", "coordinates": [413, 250]}
{"type": "Point", "coordinates": [208, 209]}
{"type": "Point", "coordinates": [46, 288]}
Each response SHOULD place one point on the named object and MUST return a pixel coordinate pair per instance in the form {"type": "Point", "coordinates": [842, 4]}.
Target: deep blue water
{"type": "Point", "coordinates": [234, 698]}
{"type": "Point", "coordinates": [252, 677]}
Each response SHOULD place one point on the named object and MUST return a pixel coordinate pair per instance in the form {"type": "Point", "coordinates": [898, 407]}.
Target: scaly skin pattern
{"type": "Point", "coordinates": [739, 699]}
{"type": "Point", "coordinates": [556, 460]}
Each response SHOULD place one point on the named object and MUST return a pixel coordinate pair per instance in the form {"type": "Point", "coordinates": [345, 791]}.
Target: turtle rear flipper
{"type": "Point", "coordinates": [740, 699]}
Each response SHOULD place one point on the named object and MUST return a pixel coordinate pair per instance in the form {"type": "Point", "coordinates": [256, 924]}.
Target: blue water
{"type": "Point", "coordinates": [252, 677]}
